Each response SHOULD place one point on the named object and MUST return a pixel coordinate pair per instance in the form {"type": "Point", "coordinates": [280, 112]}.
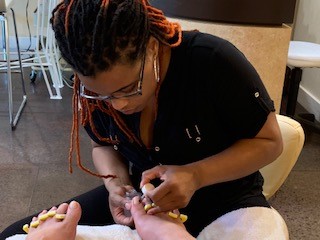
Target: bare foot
{"type": "Point", "coordinates": [52, 228]}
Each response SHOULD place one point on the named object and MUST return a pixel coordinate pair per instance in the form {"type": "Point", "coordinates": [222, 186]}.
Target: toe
{"type": "Point", "coordinates": [73, 213]}
{"type": "Point", "coordinates": [62, 208]}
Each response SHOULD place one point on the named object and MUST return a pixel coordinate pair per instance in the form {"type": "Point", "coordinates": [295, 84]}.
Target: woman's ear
{"type": "Point", "coordinates": [152, 48]}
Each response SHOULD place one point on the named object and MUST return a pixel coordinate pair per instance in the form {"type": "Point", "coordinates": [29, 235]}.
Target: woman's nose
{"type": "Point", "coordinates": [119, 104]}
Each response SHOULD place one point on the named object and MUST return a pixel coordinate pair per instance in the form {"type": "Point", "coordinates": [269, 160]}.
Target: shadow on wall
{"type": "Point", "coordinates": [306, 16]}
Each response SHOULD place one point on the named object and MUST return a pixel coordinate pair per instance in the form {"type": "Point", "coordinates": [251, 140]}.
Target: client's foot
{"type": "Point", "coordinates": [52, 228]}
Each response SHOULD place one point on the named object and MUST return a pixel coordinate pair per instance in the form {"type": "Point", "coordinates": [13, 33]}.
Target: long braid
{"type": "Point", "coordinates": [75, 135]}
{"type": "Point", "coordinates": [94, 35]}
{"type": "Point", "coordinates": [67, 17]}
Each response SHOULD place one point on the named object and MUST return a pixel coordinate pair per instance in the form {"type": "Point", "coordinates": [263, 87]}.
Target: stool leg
{"type": "Point", "coordinates": [19, 52]}
{"type": "Point", "coordinates": [5, 44]}
{"type": "Point", "coordinates": [24, 97]}
{"type": "Point", "coordinates": [285, 91]}
{"type": "Point", "coordinates": [296, 75]}
{"type": "Point", "coordinates": [13, 120]}
{"type": "Point", "coordinates": [291, 90]}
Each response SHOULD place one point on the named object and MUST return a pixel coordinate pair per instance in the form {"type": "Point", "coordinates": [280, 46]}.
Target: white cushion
{"type": "Point", "coordinates": [303, 54]}
{"type": "Point", "coordinates": [276, 172]}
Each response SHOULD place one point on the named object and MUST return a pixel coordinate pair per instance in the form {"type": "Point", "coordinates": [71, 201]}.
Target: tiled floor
{"type": "Point", "coordinates": [34, 175]}
{"type": "Point", "coordinates": [33, 158]}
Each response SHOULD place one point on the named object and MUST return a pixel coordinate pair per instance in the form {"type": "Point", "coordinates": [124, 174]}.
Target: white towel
{"type": "Point", "coordinates": [247, 224]}
{"type": "Point", "coordinates": [111, 232]}
{"type": "Point", "coordinates": [242, 224]}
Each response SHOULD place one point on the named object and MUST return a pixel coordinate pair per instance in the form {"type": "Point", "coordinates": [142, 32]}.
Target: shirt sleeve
{"type": "Point", "coordinates": [240, 96]}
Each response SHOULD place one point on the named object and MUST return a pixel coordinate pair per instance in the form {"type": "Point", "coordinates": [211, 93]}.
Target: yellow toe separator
{"type": "Point", "coordinates": [44, 217]}
{"type": "Point", "coordinates": [52, 213]}
{"type": "Point", "coordinates": [183, 217]}
{"type": "Point", "coordinates": [60, 216]}
{"type": "Point", "coordinates": [173, 215]}
{"type": "Point", "coordinates": [25, 228]}
{"type": "Point", "coordinates": [34, 224]}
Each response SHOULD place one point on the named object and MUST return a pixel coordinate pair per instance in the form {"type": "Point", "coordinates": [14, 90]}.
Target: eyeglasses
{"type": "Point", "coordinates": [131, 90]}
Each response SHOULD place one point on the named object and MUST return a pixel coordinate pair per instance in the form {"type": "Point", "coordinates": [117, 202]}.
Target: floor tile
{"type": "Point", "coordinates": [309, 159]}
{"type": "Point", "coordinates": [16, 189]}
{"type": "Point", "coordinates": [298, 202]}
{"type": "Point", "coordinates": [55, 185]}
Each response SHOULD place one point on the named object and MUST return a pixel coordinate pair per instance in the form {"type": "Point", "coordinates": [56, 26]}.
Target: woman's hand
{"type": "Point", "coordinates": [159, 226]}
{"type": "Point", "coordinates": [106, 161]}
{"type": "Point", "coordinates": [179, 183]}
{"type": "Point", "coordinates": [117, 201]}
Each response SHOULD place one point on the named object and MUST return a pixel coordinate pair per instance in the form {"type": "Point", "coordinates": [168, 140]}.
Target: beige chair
{"type": "Point", "coordinates": [276, 173]}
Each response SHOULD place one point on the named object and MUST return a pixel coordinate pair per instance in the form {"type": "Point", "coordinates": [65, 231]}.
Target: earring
{"type": "Point", "coordinates": [156, 69]}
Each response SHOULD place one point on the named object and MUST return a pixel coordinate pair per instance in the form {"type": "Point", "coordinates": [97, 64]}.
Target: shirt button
{"type": "Point", "coordinates": [157, 149]}
{"type": "Point", "coordinates": [257, 94]}
{"type": "Point", "coordinates": [115, 147]}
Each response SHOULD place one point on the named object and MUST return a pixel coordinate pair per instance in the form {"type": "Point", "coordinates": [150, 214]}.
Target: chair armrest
{"type": "Point", "coordinates": [276, 172]}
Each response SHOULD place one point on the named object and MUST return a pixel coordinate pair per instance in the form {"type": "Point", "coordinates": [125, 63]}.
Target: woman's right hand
{"type": "Point", "coordinates": [117, 201]}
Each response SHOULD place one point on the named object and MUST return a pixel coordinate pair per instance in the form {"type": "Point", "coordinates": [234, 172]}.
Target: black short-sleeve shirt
{"type": "Point", "coordinates": [210, 98]}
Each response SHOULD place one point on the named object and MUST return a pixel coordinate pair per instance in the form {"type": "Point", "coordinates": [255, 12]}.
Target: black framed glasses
{"type": "Point", "coordinates": [131, 90]}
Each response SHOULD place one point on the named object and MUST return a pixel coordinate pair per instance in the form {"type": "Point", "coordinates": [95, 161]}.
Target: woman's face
{"type": "Point", "coordinates": [124, 79]}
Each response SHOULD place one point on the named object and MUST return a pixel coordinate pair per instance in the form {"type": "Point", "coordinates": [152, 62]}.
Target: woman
{"type": "Point", "coordinates": [183, 109]}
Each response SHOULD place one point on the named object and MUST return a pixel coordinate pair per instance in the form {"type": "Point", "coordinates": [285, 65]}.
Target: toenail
{"type": "Point", "coordinates": [73, 205]}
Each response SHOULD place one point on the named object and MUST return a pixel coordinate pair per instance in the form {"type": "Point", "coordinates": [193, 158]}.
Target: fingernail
{"type": "Point", "coordinates": [135, 200]}
{"type": "Point", "coordinates": [127, 206]}
{"type": "Point", "coordinates": [73, 205]}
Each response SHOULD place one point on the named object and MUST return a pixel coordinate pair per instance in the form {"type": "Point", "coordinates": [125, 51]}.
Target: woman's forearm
{"type": "Point", "coordinates": [241, 159]}
{"type": "Point", "coordinates": [244, 158]}
{"type": "Point", "coordinates": [108, 161]}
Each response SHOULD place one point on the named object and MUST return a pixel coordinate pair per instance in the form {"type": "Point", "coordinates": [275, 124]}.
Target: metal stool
{"type": "Point", "coordinates": [300, 55]}
{"type": "Point", "coordinates": [6, 55]}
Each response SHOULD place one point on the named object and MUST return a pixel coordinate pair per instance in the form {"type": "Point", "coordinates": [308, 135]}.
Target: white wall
{"type": "Point", "coordinates": [19, 7]}
{"type": "Point", "coordinates": [306, 28]}
{"type": "Point", "coordinates": [8, 2]}
{"type": "Point", "coordinates": [20, 10]}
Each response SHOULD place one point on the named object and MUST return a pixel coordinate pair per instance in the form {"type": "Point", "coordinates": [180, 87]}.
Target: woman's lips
{"type": "Point", "coordinates": [127, 111]}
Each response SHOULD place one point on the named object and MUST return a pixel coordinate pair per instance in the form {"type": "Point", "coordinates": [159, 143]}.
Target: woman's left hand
{"type": "Point", "coordinates": [117, 201]}
{"type": "Point", "coordinates": [179, 183]}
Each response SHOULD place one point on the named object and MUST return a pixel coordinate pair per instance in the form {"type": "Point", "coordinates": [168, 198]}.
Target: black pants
{"type": "Point", "coordinates": [95, 211]}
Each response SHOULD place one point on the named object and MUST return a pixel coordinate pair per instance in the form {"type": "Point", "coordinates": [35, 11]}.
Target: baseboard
{"type": "Point", "coordinates": [309, 102]}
